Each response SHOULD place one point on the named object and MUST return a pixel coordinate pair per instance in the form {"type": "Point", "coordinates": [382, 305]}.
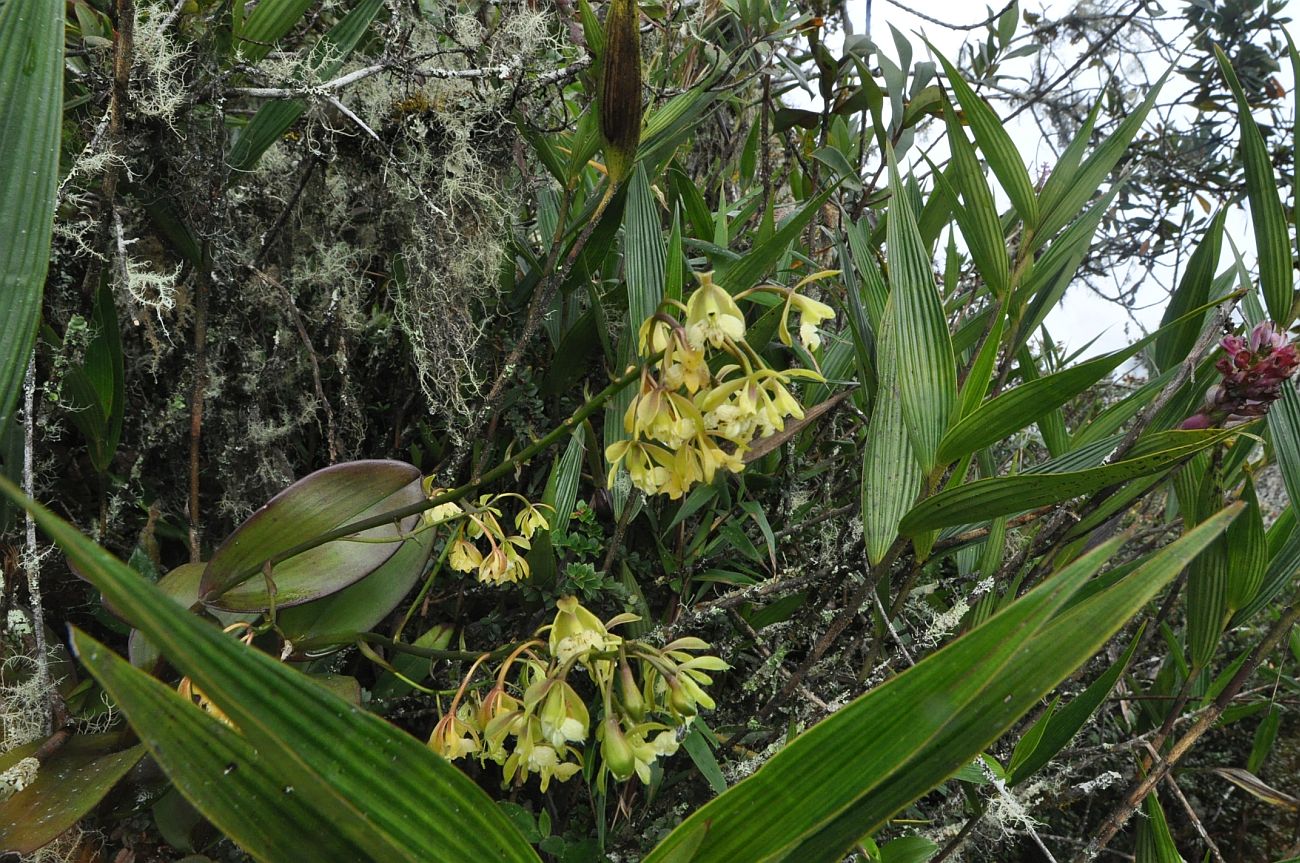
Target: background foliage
{"type": "Point", "coordinates": [385, 263]}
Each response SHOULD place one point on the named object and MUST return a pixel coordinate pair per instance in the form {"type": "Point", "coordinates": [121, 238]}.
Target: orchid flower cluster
{"type": "Point", "coordinates": [502, 561]}
{"type": "Point", "coordinates": [688, 421]}
{"type": "Point", "coordinates": [538, 723]}
{"type": "Point", "coordinates": [1254, 368]}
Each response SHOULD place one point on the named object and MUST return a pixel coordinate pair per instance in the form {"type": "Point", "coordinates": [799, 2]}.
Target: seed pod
{"type": "Point", "coordinates": [620, 88]}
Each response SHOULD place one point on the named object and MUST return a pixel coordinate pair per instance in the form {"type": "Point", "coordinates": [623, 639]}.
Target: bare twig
{"type": "Point", "coordinates": [32, 559]}
{"type": "Point", "coordinates": [948, 25]}
{"type": "Point", "coordinates": [296, 317]}
{"type": "Point", "coordinates": [1118, 817]}
{"type": "Point", "coordinates": [1191, 813]}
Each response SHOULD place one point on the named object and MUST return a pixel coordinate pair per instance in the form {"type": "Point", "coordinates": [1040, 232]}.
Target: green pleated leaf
{"type": "Point", "coordinates": [31, 110]}
{"type": "Point", "coordinates": [1248, 552]}
{"type": "Point", "coordinates": [643, 251]}
{"type": "Point", "coordinates": [1038, 397]}
{"type": "Point", "coordinates": [1284, 432]}
{"type": "Point", "coordinates": [1207, 602]}
{"type": "Point", "coordinates": [874, 292]}
{"type": "Point", "coordinates": [1278, 576]}
{"type": "Point", "coordinates": [217, 770]}
{"type": "Point", "coordinates": [270, 21]}
{"type": "Point", "coordinates": [1193, 290]}
{"type": "Point", "coordinates": [1069, 188]}
{"type": "Point", "coordinates": [377, 787]}
{"type": "Point", "coordinates": [976, 385]}
{"type": "Point", "coordinates": [978, 219]}
{"type": "Point", "coordinates": [1294, 56]}
{"type": "Point", "coordinates": [69, 784]}
{"type": "Point", "coordinates": [1063, 175]}
{"type": "Point", "coordinates": [1226, 577]}
{"type": "Point", "coordinates": [1002, 155]}
{"type": "Point", "coordinates": [986, 498]}
{"type": "Point", "coordinates": [1060, 726]}
{"type": "Point", "coordinates": [1272, 240]}
{"type": "Point", "coordinates": [274, 118]}
{"type": "Point", "coordinates": [567, 474]}
{"type": "Point", "coordinates": [927, 375]}
{"type": "Point", "coordinates": [891, 477]}
{"type": "Point", "coordinates": [840, 355]}
{"type": "Point", "coordinates": [1155, 844]}
{"type": "Point", "coordinates": [749, 270]}
{"type": "Point", "coordinates": [845, 777]}
{"type": "Point", "coordinates": [1042, 289]}
{"type": "Point", "coordinates": [317, 503]}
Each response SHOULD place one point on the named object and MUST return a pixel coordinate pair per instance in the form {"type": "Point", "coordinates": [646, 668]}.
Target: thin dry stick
{"type": "Point", "coordinates": [1121, 814]}
{"type": "Point", "coordinates": [32, 561]}
{"type": "Point", "coordinates": [841, 622]}
{"type": "Point", "coordinates": [537, 309]}
{"type": "Point", "coordinates": [298, 324]}
{"type": "Point", "coordinates": [884, 615]}
{"type": "Point", "coordinates": [764, 652]}
{"type": "Point", "coordinates": [196, 405]}
{"type": "Point", "coordinates": [1191, 813]}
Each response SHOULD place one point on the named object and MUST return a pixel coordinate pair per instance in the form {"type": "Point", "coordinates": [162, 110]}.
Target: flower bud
{"type": "Point", "coordinates": [629, 694]}
{"type": "Point", "coordinates": [679, 699]}
{"type": "Point", "coordinates": [617, 752]}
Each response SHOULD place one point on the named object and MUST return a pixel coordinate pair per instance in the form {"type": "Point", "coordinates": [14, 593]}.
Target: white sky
{"type": "Point", "coordinates": [1083, 315]}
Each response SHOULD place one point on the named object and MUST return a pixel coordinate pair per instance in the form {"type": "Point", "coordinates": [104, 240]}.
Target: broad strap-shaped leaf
{"type": "Point", "coordinates": [986, 498]}
{"type": "Point", "coordinates": [1272, 240]}
{"type": "Point", "coordinates": [1001, 153]}
{"type": "Point", "coordinates": [1036, 398]}
{"type": "Point", "coordinates": [1059, 727]}
{"type": "Point", "coordinates": [270, 21]}
{"type": "Point", "coordinates": [1173, 346]}
{"type": "Point", "coordinates": [387, 791]}
{"type": "Point", "coordinates": [327, 499]}
{"type": "Point", "coordinates": [1155, 844]}
{"type": "Point", "coordinates": [643, 251]}
{"type": "Point", "coordinates": [743, 274]}
{"type": "Point", "coordinates": [274, 118]}
{"type": "Point", "coordinates": [263, 811]}
{"type": "Point", "coordinates": [891, 477]}
{"type": "Point", "coordinates": [31, 111]}
{"type": "Point", "coordinates": [362, 605]}
{"type": "Point", "coordinates": [977, 215]}
{"type": "Point", "coordinates": [927, 374]}
{"type": "Point", "coordinates": [1069, 188]}
{"type": "Point", "coordinates": [849, 774]}
{"type": "Point", "coordinates": [68, 784]}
